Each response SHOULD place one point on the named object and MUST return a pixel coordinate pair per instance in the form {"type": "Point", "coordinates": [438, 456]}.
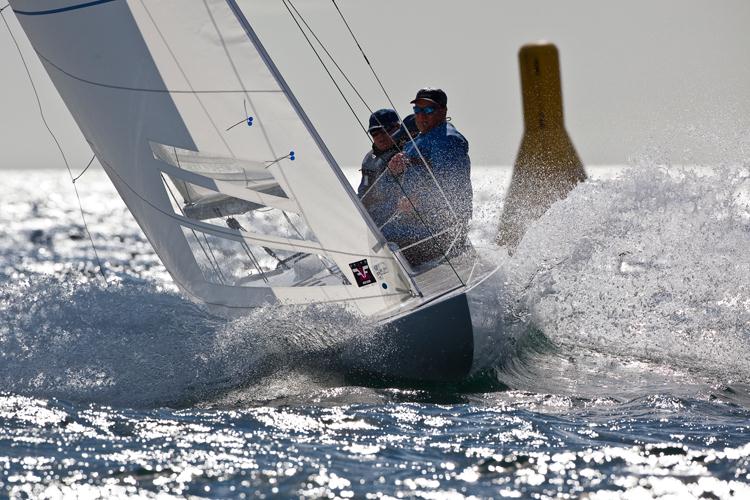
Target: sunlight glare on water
{"type": "Point", "coordinates": [626, 376]}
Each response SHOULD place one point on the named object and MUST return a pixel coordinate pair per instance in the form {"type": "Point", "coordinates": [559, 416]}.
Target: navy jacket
{"type": "Point", "coordinates": [446, 151]}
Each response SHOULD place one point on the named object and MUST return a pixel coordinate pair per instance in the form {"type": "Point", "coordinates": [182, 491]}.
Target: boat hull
{"type": "Point", "coordinates": [446, 340]}
{"type": "Point", "coordinates": [431, 344]}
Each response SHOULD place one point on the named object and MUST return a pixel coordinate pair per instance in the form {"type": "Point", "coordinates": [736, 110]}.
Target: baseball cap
{"type": "Point", "coordinates": [383, 118]}
{"type": "Point", "coordinates": [430, 94]}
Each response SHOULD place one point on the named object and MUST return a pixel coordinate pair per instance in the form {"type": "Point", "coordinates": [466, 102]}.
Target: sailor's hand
{"type": "Point", "coordinates": [404, 205]}
{"type": "Point", "coordinates": [398, 164]}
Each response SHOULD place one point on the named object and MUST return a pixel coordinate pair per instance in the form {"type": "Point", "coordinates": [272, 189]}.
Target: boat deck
{"type": "Point", "coordinates": [464, 269]}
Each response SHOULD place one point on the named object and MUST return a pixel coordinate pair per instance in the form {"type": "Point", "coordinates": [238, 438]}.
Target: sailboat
{"type": "Point", "coordinates": [254, 213]}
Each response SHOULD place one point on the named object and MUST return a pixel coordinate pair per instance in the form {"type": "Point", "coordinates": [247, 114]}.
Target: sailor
{"type": "Point", "coordinates": [375, 190]}
{"type": "Point", "coordinates": [434, 173]}
{"type": "Point", "coordinates": [408, 131]}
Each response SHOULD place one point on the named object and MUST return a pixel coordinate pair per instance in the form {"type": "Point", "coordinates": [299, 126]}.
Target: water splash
{"type": "Point", "coordinates": [137, 345]}
{"type": "Point", "coordinates": [646, 269]}
{"type": "Point", "coordinates": [652, 266]}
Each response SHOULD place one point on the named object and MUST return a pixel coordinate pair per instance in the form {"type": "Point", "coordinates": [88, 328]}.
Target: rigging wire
{"type": "Point", "coordinates": [335, 63]}
{"type": "Point", "coordinates": [325, 67]}
{"type": "Point", "coordinates": [398, 182]}
{"type": "Point", "coordinates": [422, 221]}
{"type": "Point", "coordinates": [338, 67]}
{"type": "Point", "coordinates": [361, 50]}
{"type": "Point", "coordinates": [393, 106]}
{"type": "Point", "coordinates": [57, 143]}
{"type": "Point", "coordinates": [411, 139]}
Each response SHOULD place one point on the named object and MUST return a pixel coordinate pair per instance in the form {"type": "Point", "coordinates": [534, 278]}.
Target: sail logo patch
{"type": "Point", "coordinates": [362, 273]}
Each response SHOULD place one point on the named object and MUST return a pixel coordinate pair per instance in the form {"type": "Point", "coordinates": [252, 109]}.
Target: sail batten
{"type": "Point", "coordinates": [231, 189]}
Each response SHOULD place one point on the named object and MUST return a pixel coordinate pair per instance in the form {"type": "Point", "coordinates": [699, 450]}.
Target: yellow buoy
{"type": "Point", "coordinates": [547, 167]}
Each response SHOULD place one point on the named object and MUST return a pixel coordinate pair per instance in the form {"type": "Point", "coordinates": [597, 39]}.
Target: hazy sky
{"type": "Point", "coordinates": [667, 77]}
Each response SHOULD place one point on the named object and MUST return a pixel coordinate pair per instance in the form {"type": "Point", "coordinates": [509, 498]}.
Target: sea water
{"type": "Point", "coordinates": [626, 376]}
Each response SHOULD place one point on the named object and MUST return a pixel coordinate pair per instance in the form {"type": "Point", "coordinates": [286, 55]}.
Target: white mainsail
{"type": "Point", "coordinates": [158, 88]}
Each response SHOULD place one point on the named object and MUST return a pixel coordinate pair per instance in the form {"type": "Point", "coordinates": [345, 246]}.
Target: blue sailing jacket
{"type": "Point", "coordinates": [446, 151]}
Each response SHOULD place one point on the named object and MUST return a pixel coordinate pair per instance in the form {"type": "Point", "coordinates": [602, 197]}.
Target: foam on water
{"type": "Point", "coordinates": [129, 345]}
{"type": "Point", "coordinates": [134, 345]}
{"type": "Point", "coordinates": [136, 342]}
{"type": "Point", "coordinates": [648, 267]}
{"type": "Point", "coordinates": [652, 266]}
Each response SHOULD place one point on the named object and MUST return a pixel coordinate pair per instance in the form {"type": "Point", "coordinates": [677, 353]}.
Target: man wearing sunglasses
{"type": "Point", "coordinates": [434, 171]}
{"type": "Point", "coordinates": [376, 190]}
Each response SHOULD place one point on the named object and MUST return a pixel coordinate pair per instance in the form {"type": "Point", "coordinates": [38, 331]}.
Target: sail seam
{"type": "Point", "coordinates": [155, 91]}
{"type": "Point", "coordinates": [61, 9]}
{"type": "Point", "coordinates": [239, 79]}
